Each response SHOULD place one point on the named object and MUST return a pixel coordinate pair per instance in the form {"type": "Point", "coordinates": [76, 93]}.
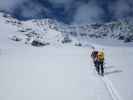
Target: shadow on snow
{"type": "Point", "coordinates": [113, 72]}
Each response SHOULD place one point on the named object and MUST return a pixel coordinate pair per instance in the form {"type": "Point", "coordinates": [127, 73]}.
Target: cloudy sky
{"type": "Point", "coordinates": [70, 11]}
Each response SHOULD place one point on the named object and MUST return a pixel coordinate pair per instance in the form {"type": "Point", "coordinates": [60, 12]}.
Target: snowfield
{"type": "Point", "coordinates": [49, 73]}
{"type": "Point", "coordinates": [64, 71]}
{"type": "Point", "coordinates": [67, 72]}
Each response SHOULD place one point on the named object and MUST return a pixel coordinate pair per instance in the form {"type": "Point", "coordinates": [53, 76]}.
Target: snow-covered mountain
{"type": "Point", "coordinates": [47, 31]}
{"type": "Point", "coordinates": [60, 70]}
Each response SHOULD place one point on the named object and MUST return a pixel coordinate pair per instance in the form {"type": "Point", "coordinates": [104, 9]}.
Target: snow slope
{"type": "Point", "coordinates": [62, 72]}
{"type": "Point", "coordinates": [119, 62]}
{"type": "Point", "coordinates": [29, 73]}
{"type": "Point", "coordinates": [48, 31]}
{"type": "Point", "coordinates": [5, 31]}
{"type": "Point", "coordinates": [49, 73]}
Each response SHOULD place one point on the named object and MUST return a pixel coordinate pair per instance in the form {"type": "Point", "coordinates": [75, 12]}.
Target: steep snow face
{"type": "Point", "coordinates": [119, 30]}
{"type": "Point", "coordinates": [50, 32]}
{"type": "Point", "coordinates": [40, 31]}
{"type": "Point", "coordinates": [6, 30]}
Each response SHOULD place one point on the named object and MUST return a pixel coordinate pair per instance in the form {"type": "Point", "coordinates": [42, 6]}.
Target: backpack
{"type": "Point", "coordinates": [94, 54]}
{"type": "Point", "coordinates": [101, 56]}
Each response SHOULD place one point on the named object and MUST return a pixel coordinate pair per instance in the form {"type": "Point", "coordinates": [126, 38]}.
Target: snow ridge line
{"type": "Point", "coordinates": [108, 84]}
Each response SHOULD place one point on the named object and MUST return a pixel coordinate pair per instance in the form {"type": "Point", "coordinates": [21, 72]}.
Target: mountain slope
{"type": "Point", "coordinates": [6, 30]}
{"type": "Point", "coordinates": [49, 73]}
{"type": "Point", "coordinates": [51, 32]}
{"type": "Point", "coordinates": [58, 71]}
{"type": "Point", "coordinates": [65, 72]}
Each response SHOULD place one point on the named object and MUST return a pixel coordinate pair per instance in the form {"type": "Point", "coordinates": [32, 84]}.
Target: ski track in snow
{"type": "Point", "coordinates": [112, 91]}
{"type": "Point", "coordinates": [109, 86]}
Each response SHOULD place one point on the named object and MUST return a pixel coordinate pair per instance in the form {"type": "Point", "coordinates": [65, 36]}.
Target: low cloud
{"type": "Point", "coordinates": [80, 11]}
{"type": "Point", "coordinates": [88, 13]}
{"type": "Point", "coordinates": [122, 9]}
{"type": "Point", "coordinates": [9, 5]}
{"type": "Point", "coordinates": [61, 1]}
{"type": "Point", "coordinates": [32, 10]}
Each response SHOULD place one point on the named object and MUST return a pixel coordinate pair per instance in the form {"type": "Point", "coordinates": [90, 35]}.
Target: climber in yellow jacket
{"type": "Point", "coordinates": [100, 59]}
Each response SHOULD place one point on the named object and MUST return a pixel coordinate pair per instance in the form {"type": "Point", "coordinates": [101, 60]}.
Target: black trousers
{"type": "Point", "coordinates": [100, 67]}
